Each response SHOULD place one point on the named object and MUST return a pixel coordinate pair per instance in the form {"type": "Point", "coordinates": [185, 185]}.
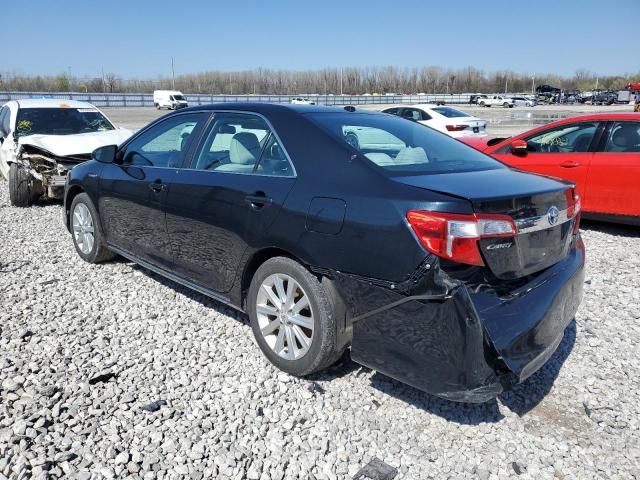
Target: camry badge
{"type": "Point", "coordinates": [553, 214]}
{"type": "Point", "coordinates": [496, 246]}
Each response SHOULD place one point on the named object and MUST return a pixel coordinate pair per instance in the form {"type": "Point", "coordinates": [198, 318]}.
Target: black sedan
{"type": "Point", "coordinates": [333, 229]}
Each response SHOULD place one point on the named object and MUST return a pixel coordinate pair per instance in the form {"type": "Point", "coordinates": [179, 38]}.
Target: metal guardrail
{"type": "Point", "coordinates": [146, 99]}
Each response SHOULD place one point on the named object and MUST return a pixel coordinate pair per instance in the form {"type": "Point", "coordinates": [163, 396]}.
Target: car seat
{"type": "Point", "coordinates": [244, 152]}
{"type": "Point", "coordinates": [625, 138]}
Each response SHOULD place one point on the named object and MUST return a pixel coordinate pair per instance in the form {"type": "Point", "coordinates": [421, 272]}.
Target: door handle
{"type": "Point", "coordinates": [157, 186]}
{"type": "Point", "coordinates": [258, 200]}
{"type": "Point", "coordinates": [569, 164]}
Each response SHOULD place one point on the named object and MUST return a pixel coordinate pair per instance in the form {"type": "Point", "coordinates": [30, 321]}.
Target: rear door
{"type": "Point", "coordinates": [614, 175]}
{"type": "Point", "coordinates": [563, 151]}
{"type": "Point", "coordinates": [227, 198]}
{"type": "Point", "coordinates": [132, 193]}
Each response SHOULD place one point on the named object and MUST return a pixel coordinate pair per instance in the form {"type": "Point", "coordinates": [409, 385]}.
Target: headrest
{"type": "Point", "coordinates": [409, 155]}
{"type": "Point", "coordinates": [626, 136]}
{"type": "Point", "coordinates": [244, 148]}
{"type": "Point", "coordinates": [227, 129]}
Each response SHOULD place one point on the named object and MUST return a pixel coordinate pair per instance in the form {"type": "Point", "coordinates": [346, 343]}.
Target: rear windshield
{"type": "Point", "coordinates": [450, 112]}
{"type": "Point", "coordinates": [401, 147]}
{"type": "Point", "coordinates": [60, 121]}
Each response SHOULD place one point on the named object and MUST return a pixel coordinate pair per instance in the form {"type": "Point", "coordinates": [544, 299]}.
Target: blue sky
{"type": "Point", "coordinates": [136, 38]}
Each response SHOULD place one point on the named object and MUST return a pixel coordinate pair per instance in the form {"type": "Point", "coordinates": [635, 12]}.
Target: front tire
{"type": "Point", "coordinates": [86, 231]}
{"type": "Point", "coordinates": [20, 194]}
{"type": "Point", "coordinates": [292, 317]}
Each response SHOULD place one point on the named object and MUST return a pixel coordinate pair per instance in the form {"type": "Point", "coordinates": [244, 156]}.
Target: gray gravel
{"type": "Point", "coordinates": [113, 372]}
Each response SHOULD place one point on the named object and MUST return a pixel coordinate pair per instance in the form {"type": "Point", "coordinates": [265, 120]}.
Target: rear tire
{"type": "Point", "coordinates": [86, 232]}
{"type": "Point", "coordinates": [19, 186]}
{"type": "Point", "coordinates": [312, 328]}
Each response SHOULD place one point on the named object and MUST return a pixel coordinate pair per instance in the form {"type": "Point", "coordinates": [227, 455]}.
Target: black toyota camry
{"type": "Point", "coordinates": [334, 229]}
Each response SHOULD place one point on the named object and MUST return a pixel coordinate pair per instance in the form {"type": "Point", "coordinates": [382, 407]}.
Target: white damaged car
{"type": "Point", "coordinates": [42, 139]}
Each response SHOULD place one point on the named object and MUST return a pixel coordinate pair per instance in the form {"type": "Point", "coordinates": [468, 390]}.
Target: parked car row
{"type": "Point", "coordinates": [334, 229]}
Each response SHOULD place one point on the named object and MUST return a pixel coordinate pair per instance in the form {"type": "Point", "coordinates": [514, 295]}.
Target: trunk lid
{"type": "Point", "coordinates": [537, 204]}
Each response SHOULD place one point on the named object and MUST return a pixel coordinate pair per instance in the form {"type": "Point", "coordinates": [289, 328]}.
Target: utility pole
{"type": "Point", "coordinates": [533, 84]}
{"type": "Point", "coordinates": [173, 75]}
{"type": "Point", "coordinates": [340, 80]}
{"type": "Point", "coordinates": [103, 86]}
{"type": "Point", "coordinates": [506, 83]}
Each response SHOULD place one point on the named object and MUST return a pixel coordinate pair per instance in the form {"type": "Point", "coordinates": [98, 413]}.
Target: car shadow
{"type": "Point", "coordinates": [520, 400]}
{"type": "Point", "coordinates": [201, 298]}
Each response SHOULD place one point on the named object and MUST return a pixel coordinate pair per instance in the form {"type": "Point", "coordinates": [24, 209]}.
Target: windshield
{"type": "Point", "coordinates": [179, 98]}
{"type": "Point", "coordinates": [450, 112]}
{"type": "Point", "coordinates": [60, 121]}
{"type": "Point", "coordinates": [401, 147]}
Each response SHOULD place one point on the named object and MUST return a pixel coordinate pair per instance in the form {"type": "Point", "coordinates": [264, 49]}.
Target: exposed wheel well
{"type": "Point", "coordinates": [344, 327]}
{"type": "Point", "coordinates": [71, 194]}
{"type": "Point", "coordinates": [254, 263]}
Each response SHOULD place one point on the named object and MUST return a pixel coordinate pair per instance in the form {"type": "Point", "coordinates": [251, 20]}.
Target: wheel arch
{"type": "Point", "coordinates": [253, 264]}
{"type": "Point", "coordinates": [259, 257]}
{"type": "Point", "coordinates": [72, 193]}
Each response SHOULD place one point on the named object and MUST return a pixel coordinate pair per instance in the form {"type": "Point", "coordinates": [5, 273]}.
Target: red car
{"type": "Point", "coordinates": [600, 153]}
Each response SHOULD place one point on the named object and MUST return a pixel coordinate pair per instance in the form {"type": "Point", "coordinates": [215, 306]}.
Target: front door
{"type": "Point", "coordinates": [614, 175]}
{"type": "Point", "coordinates": [133, 191]}
{"type": "Point", "coordinates": [227, 199]}
{"type": "Point", "coordinates": [563, 152]}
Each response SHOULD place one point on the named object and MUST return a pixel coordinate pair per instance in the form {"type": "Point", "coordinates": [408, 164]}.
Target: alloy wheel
{"type": "Point", "coordinates": [285, 316]}
{"type": "Point", "coordinates": [83, 228]}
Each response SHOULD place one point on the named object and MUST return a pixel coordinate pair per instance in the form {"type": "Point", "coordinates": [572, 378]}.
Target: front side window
{"type": "Point", "coordinates": [624, 137]}
{"type": "Point", "coordinates": [60, 121]}
{"type": "Point", "coordinates": [572, 138]}
{"type": "Point", "coordinates": [242, 143]}
{"type": "Point", "coordinates": [164, 144]}
{"type": "Point", "coordinates": [400, 147]}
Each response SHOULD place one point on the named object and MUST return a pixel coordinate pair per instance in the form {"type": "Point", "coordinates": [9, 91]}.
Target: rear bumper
{"type": "Point", "coordinates": [464, 344]}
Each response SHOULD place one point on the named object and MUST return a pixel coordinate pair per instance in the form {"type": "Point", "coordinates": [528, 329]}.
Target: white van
{"type": "Point", "coordinates": [171, 99]}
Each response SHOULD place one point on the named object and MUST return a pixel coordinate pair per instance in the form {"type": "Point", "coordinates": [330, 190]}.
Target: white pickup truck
{"type": "Point", "coordinates": [497, 100]}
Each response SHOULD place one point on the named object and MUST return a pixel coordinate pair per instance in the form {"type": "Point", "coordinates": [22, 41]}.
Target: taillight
{"type": "Point", "coordinates": [573, 208]}
{"type": "Point", "coordinates": [455, 236]}
{"type": "Point", "coordinates": [456, 128]}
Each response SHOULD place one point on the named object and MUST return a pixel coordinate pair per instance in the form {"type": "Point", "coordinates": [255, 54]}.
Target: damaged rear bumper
{"type": "Point", "coordinates": [463, 343]}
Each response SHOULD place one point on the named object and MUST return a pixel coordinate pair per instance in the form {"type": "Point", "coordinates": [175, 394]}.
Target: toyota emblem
{"type": "Point", "coordinates": [553, 214]}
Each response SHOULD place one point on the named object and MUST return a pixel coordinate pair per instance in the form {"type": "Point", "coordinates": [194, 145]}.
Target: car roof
{"type": "Point", "coordinates": [424, 106]}
{"type": "Point", "coordinates": [52, 103]}
{"type": "Point", "coordinates": [599, 117]}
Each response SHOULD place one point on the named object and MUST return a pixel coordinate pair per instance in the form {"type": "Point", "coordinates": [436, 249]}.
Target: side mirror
{"type": "Point", "coordinates": [106, 154]}
{"type": "Point", "coordinates": [519, 147]}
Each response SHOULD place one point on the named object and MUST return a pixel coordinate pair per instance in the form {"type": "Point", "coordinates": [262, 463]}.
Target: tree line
{"type": "Point", "coordinates": [348, 80]}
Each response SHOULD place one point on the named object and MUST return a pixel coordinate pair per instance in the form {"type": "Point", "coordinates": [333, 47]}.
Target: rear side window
{"type": "Point", "coordinates": [242, 143]}
{"type": "Point", "coordinates": [401, 147]}
{"type": "Point", "coordinates": [624, 137]}
{"type": "Point", "coordinates": [450, 112]}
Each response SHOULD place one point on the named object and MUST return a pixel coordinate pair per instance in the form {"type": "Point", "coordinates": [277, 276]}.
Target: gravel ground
{"type": "Point", "coordinates": [113, 372]}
